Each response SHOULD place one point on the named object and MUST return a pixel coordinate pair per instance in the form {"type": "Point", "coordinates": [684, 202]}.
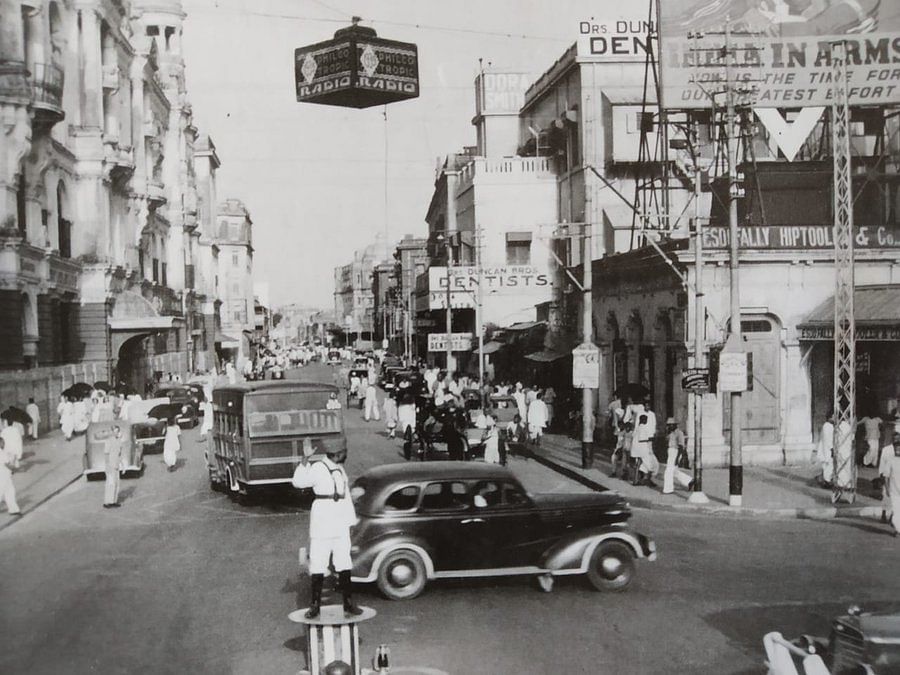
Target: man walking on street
{"type": "Point", "coordinates": [371, 402]}
{"type": "Point", "coordinates": [330, 519]}
{"type": "Point", "coordinates": [35, 414]}
{"type": "Point", "coordinates": [12, 441]}
{"type": "Point", "coordinates": [113, 454]}
{"type": "Point", "coordinates": [7, 489]}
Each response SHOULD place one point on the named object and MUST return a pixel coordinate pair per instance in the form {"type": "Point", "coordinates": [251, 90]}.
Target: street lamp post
{"type": "Point", "coordinates": [449, 311]}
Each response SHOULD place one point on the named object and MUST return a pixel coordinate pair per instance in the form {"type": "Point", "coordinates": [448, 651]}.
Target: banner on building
{"type": "Point", "coordinates": [459, 342]}
{"type": "Point", "coordinates": [783, 48]}
{"type": "Point", "coordinates": [519, 280]}
{"type": "Point", "coordinates": [799, 237]}
{"type": "Point", "coordinates": [586, 366]}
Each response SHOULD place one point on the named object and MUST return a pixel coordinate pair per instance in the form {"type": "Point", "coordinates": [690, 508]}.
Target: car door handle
{"type": "Point", "coordinates": [472, 520]}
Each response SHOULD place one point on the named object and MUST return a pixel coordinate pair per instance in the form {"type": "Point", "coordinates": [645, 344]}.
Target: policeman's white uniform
{"type": "Point", "coordinates": [332, 514]}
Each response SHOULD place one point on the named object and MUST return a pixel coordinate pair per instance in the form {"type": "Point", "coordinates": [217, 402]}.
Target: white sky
{"type": "Point", "coordinates": [312, 176]}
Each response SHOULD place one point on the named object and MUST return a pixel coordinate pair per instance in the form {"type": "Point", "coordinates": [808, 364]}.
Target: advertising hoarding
{"type": "Point", "coordinates": [459, 342]}
{"type": "Point", "coordinates": [496, 279]}
{"type": "Point", "coordinates": [356, 69]}
{"type": "Point", "coordinates": [620, 36]}
{"type": "Point", "coordinates": [498, 92]}
{"type": "Point", "coordinates": [586, 366]}
{"type": "Point", "coordinates": [788, 50]}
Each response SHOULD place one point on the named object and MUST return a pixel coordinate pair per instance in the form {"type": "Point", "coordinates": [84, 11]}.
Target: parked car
{"type": "Point", "coordinates": [148, 431]}
{"type": "Point", "coordinates": [425, 521]}
{"type": "Point", "coordinates": [180, 393]}
{"type": "Point", "coordinates": [98, 435]}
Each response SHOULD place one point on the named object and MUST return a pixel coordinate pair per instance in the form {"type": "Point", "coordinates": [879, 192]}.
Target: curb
{"type": "Point", "coordinates": [716, 510]}
{"type": "Point", "coordinates": [38, 504]}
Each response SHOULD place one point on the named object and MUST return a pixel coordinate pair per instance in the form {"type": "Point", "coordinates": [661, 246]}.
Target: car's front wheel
{"type": "Point", "coordinates": [611, 567]}
{"type": "Point", "coordinates": [402, 575]}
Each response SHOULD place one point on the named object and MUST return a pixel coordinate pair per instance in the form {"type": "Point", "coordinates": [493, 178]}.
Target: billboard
{"type": "Point", "coordinates": [787, 53]}
{"type": "Point", "coordinates": [798, 237]}
{"type": "Point", "coordinates": [496, 279]}
{"type": "Point", "coordinates": [619, 37]}
{"type": "Point", "coordinates": [498, 92]}
{"type": "Point", "coordinates": [459, 342]}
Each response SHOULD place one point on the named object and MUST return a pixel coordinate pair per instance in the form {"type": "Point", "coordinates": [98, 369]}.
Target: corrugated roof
{"type": "Point", "coordinates": [546, 356]}
{"type": "Point", "coordinates": [871, 305]}
{"type": "Point", "coordinates": [525, 325]}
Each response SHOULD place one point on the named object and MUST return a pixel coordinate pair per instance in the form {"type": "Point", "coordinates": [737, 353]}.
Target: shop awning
{"type": "Point", "coordinates": [876, 310]}
{"type": "Point", "coordinates": [227, 341]}
{"type": "Point", "coordinates": [491, 346]}
{"type": "Point", "coordinates": [524, 325]}
{"type": "Point", "coordinates": [545, 356]}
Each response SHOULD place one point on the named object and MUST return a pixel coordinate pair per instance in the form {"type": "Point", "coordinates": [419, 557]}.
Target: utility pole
{"type": "Point", "coordinates": [845, 284]}
{"type": "Point", "coordinates": [587, 337]}
{"type": "Point", "coordinates": [736, 468]}
{"type": "Point", "coordinates": [449, 311]}
{"type": "Point", "coordinates": [479, 315]}
{"type": "Point", "coordinates": [697, 495]}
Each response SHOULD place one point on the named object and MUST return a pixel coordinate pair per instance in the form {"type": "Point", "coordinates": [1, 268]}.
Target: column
{"type": "Point", "coordinates": [796, 404]}
{"type": "Point", "coordinates": [92, 70]}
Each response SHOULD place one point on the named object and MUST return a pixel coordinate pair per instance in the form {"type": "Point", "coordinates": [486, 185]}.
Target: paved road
{"type": "Point", "coordinates": [181, 580]}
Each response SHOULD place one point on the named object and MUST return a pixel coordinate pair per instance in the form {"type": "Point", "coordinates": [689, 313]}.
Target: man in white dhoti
{"type": "Point", "coordinates": [371, 403]}
{"type": "Point", "coordinates": [330, 519]}
{"type": "Point", "coordinates": [537, 418]}
{"type": "Point", "coordinates": [7, 489]}
{"type": "Point", "coordinates": [825, 450]}
{"type": "Point", "coordinates": [890, 470]}
{"type": "Point", "coordinates": [872, 426]}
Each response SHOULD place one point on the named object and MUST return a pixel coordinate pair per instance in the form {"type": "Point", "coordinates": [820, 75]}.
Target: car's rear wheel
{"type": "Point", "coordinates": [402, 575]}
{"type": "Point", "coordinates": [611, 567]}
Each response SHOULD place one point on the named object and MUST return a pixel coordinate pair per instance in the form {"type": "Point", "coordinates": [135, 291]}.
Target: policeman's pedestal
{"type": "Point", "coordinates": [332, 637]}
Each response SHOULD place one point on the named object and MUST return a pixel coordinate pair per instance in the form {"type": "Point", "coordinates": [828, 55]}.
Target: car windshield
{"type": "Point", "coordinates": [291, 412]}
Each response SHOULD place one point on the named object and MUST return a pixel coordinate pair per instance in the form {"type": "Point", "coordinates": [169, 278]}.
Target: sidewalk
{"type": "Point", "coordinates": [48, 465]}
{"type": "Point", "coordinates": [773, 492]}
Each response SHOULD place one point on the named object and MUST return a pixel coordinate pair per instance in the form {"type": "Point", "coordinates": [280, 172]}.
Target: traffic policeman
{"type": "Point", "coordinates": [330, 519]}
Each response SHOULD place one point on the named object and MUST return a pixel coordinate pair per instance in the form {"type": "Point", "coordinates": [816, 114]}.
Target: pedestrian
{"type": "Point", "coordinates": [333, 403]}
{"type": "Point", "coordinates": [516, 431]}
{"type": "Point", "coordinates": [34, 413]}
{"type": "Point", "coordinates": [113, 454]}
{"type": "Point", "coordinates": [824, 453]}
{"type": "Point", "coordinates": [7, 489]}
{"type": "Point", "coordinates": [60, 407]}
{"type": "Point", "coordinates": [491, 440]}
{"type": "Point", "coordinates": [82, 415]}
{"type": "Point", "coordinates": [371, 402]}
{"type": "Point", "coordinates": [644, 433]}
{"type": "Point", "coordinates": [457, 444]}
{"type": "Point", "coordinates": [12, 440]}
{"type": "Point", "coordinates": [330, 519]}
{"type": "Point", "coordinates": [891, 472]}
{"type": "Point", "coordinates": [171, 444]}
{"type": "Point", "coordinates": [675, 442]}
{"type": "Point", "coordinates": [537, 418]}
{"type": "Point", "coordinates": [521, 404]}
{"type": "Point", "coordinates": [872, 427]}
{"type": "Point", "coordinates": [624, 452]}
{"type": "Point", "coordinates": [550, 402]}
{"type": "Point", "coordinates": [230, 372]}
{"type": "Point", "coordinates": [390, 415]}
{"type": "Point", "coordinates": [207, 418]}
{"type": "Point", "coordinates": [67, 419]}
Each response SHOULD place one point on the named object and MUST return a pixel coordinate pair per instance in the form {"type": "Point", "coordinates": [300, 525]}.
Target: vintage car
{"type": "Point", "coordinates": [861, 642]}
{"type": "Point", "coordinates": [97, 436]}
{"type": "Point", "coordinates": [184, 414]}
{"type": "Point", "coordinates": [425, 521]}
{"type": "Point", "coordinates": [333, 358]}
{"type": "Point", "coordinates": [148, 431]}
{"type": "Point", "coordinates": [180, 393]}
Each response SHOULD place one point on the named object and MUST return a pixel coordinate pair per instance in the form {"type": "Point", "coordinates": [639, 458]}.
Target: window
{"type": "Point", "coordinates": [513, 495]}
{"type": "Point", "coordinates": [234, 231]}
{"type": "Point", "coordinates": [163, 276]}
{"type": "Point", "coordinates": [445, 496]}
{"type": "Point", "coordinates": [235, 260]}
{"type": "Point", "coordinates": [404, 499]}
{"type": "Point", "coordinates": [518, 248]}
{"type": "Point", "coordinates": [21, 208]}
{"type": "Point", "coordinates": [489, 491]}
{"type": "Point", "coordinates": [239, 317]}
{"type": "Point", "coordinates": [155, 271]}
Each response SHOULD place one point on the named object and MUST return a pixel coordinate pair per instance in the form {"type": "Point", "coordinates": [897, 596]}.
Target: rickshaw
{"type": "Point", "coordinates": [98, 435]}
{"type": "Point", "coordinates": [362, 374]}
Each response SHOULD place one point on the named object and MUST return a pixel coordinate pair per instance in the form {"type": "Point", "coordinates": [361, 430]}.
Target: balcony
{"type": "Point", "coordinates": [165, 300]}
{"type": "Point", "coordinates": [507, 169]}
{"type": "Point", "coordinates": [118, 159]}
{"type": "Point", "coordinates": [111, 77]}
{"type": "Point", "coordinates": [156, 193]}
{"type": "Point", "coordinates": [47, 90]}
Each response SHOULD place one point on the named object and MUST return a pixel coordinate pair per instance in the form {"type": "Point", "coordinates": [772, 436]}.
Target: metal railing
{"type": "Point", "coordinates": [47, 84]}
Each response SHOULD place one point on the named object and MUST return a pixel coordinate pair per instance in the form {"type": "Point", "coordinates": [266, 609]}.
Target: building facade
{"type": "Point", "coordinates": [98, 191]}
{"type": "Point", "coordinates": [354, 302]}
{"type": "Point", "coordinates": [235, 243]}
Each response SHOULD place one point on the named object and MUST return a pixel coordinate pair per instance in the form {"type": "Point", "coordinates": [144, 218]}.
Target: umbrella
{"type": "Point", "coordinates": [104, 385]}
{"type": "Point", "coordinates": [79, 390]}
{"type": "Point", "coordinates": [634, 391]}
{"type": "Point", "coordinates": [13, 414]}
